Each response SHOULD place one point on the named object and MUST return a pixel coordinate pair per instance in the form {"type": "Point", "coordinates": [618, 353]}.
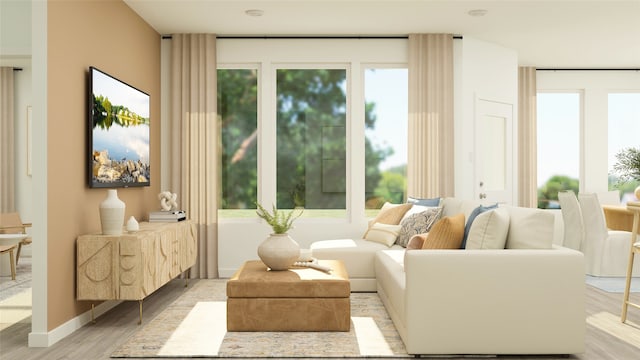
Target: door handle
{"type": "Point", "coordinates": [483, 196]}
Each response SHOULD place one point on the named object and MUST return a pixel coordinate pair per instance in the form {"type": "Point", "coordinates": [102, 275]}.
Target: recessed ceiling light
{"type": "Point", "coordinates": [478, 12]}
{"type": "Point", "coordinates": [254, 12]}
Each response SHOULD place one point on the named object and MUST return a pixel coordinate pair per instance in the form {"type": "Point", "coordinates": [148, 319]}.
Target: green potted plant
{"type": "Point", "coordinates": [279, 221]}
{"type": "Point", "coordinates": [278, 251]}
{"type": "Point", "coordinates": [628, 166]}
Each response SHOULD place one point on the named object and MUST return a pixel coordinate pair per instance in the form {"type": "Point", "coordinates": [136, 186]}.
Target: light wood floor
{"type": "Point", "coordinates": [99, 340]}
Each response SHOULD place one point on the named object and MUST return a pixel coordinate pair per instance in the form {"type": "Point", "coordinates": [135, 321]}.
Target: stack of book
{"type": "Point", "coordinates": [167, 216]}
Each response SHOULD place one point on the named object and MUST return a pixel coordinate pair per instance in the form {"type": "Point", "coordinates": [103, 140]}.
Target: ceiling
{"type": "Point", "coordinates": [545, 33]}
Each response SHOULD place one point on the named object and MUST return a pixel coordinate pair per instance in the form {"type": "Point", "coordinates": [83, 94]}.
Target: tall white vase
{"type": "Point", "coordinates": [279, 251]}
{"type": "Point", "coordinates": [112, 214]}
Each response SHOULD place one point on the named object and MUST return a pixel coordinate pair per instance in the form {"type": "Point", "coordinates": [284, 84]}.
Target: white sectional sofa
{"type": "Point", "coordinates": [528, 298]}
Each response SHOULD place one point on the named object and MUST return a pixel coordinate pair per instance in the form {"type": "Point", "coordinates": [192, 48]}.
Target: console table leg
{"type": "Point", "coordinates": [186, 283]}
{"type": "Point", "coordinates": [93, 319]}
{"type": "Point", "coordinates": [140, 306]}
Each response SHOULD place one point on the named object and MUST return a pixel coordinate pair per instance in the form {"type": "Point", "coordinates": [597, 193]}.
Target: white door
{"type": "Point", "coordinates": [494, 152]}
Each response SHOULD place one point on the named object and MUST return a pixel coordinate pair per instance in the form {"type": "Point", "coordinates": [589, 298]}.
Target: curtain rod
{"type": "Point", "coordinates": [588, 69]}
{"type": "Point", "coordinates": [311, 37]}
{"type": "Point", "coordinates": [17, 69]}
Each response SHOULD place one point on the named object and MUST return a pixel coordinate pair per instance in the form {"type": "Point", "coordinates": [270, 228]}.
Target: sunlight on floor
{"type": "Point", "coordinates": [15, 309]}
{"type": "Point", "coordinates": [628, 332]}
{"type": "Point", "coordinates": [204, 327]}
{"type": "Point", "coordinates": [369, 337]}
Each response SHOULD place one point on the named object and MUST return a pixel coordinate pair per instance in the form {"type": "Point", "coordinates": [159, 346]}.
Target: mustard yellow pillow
{"type": "Point", "coordinates": [389, 214]}
{"type": "Point", "coordinates": [447, 233]}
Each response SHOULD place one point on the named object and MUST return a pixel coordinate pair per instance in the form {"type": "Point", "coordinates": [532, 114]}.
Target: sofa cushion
{"type": "Point", "coordinates": [389, 214]}
{"type": "Point", "coordinates": [489, 230]}
{"type": "Point", "coordinates": [419, 223]}
{"type": "Point", "coordinates": [446, 233]}
{"type": "Point", "coordinates": [357, 254]}
{"type": "Point", "coordinates": [383, 233]}
{"type": "Point", "coordinates": [453, 206]}
{"type": "Point", "coordinates": [529, 228]}
{"type": "Point", "coordinates": [477, 211]}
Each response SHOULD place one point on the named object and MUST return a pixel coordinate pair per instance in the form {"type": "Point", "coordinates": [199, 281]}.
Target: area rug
{"type": "Point", "coordinates": [16, 309]}
{"type": "Point", "coordinates": [612, 284]}
{"type": "Point", "coordinates": [195, 326]}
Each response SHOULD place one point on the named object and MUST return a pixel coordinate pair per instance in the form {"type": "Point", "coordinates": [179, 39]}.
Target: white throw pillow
{"type": "Point", "coordinates": [530, 228]}
{"type": "Point", "coordinates": [489, 230]}
{"type": "Point", "coordinates": [383, 233]}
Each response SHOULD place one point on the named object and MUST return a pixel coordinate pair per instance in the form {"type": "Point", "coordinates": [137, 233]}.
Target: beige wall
{"type": "Point", "coordinates": [106, 34]}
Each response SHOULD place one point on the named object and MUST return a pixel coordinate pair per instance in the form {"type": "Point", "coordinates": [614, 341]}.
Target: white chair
{"type": "Point", "coordinates": [572, 219]}
{"type": "Point", "coordinates": [606, 251]}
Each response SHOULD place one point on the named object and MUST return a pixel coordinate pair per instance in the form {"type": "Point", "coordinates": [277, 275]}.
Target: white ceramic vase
{"type": "Point", "coordinates": [112, 214]}
{"type": "Point", "coordinates": [279, 251]}
{"type": "Point", "coordinates": [637, 193]}
{"type": "Point", "coordinates": [132, 225]}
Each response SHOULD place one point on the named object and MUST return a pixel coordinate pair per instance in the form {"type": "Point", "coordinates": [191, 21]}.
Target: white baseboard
{"type": "Point", "coordinates": [226, 273]}
{"type": "Point", "coordinates": [46, 339]}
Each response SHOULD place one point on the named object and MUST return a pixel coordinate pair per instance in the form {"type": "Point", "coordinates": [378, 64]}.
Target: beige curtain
{"type": "Point", "coordinates": [430, 161]}
{"type": "Point", "coordinates": [7, 149]}
{"type": "Point", "coordinates": [527, 139]}
{"type": "Point", "coordinates": [194, 141]}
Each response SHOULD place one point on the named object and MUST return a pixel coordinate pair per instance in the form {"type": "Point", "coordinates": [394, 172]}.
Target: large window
{"type": "Point", "coordinates": [624, 127]}
{"type": "Point", "coordinates": [558, 145]}
{"type": "Point", "coordinates": [386, 113]}
{"type": "Point", "coordinates": [319, 124]}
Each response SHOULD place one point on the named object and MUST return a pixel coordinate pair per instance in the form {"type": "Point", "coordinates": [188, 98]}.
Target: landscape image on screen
{"type": "Point", "coordinates": [120, 133]}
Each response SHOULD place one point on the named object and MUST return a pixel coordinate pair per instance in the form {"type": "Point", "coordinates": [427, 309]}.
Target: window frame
{"type": "Point", "coordinates": [350, 54]}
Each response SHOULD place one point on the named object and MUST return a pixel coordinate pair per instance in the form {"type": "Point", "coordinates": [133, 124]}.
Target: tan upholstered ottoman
{"type": "Point", "coordinates": [298, 299]}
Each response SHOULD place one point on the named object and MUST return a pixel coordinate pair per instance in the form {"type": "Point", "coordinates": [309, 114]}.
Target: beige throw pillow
{"type": "Point", "coordinates": [489, 230]}
{"type": "Point", "coordinates": [447, 233]}
{"type": "Point", "coordinates": [389, 214]}
{"type": "Point", "coordinates": [383, 233]}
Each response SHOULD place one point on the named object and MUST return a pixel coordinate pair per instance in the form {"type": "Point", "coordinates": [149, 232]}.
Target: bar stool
{"type": "Point", "coordinates": [633, 250]}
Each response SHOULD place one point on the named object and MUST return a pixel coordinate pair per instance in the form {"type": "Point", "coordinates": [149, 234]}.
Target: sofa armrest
{"type": "Point", "coordinates": [495, 301]}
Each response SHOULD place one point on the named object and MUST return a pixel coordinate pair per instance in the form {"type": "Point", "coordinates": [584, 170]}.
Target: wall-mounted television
{"type": "Point", "coordinates": [118, 133]}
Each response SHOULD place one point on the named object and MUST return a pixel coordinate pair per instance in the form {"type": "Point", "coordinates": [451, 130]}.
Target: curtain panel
{"type": "Point", "coordinates": [194, 141]}
{"type": "Point", "coordinates": [430, 168]}
{"type": "Point", "coordinates": [527, 138]}
{"type": "Point", "coordinates": [7, 144]}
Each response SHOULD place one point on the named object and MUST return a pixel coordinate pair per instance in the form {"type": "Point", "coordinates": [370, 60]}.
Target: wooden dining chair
{"type": "Point", "coordinates": [633, 251]}
{"type": "Point", "coordinates": [10, 223]}
{"type": "Point", "coordinates": [9, 249]}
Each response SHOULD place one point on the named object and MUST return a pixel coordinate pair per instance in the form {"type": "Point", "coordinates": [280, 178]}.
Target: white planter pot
{"type": "Point", "coordinates": [279, 251]}
{"type": "Point", "coordinates": [112, 214]}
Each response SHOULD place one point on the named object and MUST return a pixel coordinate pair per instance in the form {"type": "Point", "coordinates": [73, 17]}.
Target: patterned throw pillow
{"type": "Point", "coordinates": [419, 223]}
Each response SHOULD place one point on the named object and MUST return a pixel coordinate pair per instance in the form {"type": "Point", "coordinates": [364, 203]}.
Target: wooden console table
{"type": "Point", "coordinates": [131, 266]}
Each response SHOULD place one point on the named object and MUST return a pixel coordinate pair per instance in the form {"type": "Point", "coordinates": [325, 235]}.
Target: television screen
{"type": "Point", "coordinates": [118, 134]}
